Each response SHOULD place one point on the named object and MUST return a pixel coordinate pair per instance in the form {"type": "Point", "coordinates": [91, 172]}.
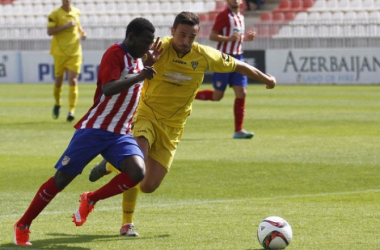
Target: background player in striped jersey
{"type": "Point", "coordinates": [104, 129]}
{"type": "Point", "coordinates": [166, 103]}
{"type": "Point", "coordinates": [229, 32]}
{"type": "Point", "coordinates": [64, 25]}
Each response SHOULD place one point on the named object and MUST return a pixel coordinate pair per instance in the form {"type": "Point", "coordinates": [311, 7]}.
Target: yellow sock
{"type": "Point", "coordinates": [129, 198]}
{"type": "Point", "coordinates": [57, 92]}
{"type": "Point", "coordinates": [73, 98]}
{"type": "Point", "coordinates": [110, 167]}
{"type": "Point", "coordinates": [129, 203]}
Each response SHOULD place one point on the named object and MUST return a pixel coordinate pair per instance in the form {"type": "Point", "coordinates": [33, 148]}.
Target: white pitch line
{"type": "Point", "coordinates": [198, 202]}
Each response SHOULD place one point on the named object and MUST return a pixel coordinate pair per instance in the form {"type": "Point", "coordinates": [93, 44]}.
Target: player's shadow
{"type": "Point", "coordinates": [62, 241]}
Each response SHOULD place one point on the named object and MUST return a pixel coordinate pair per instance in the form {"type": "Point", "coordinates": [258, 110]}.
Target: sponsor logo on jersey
{"type": "Point", "coordinates": [179, 61]}
{"type": "Point", "coordinates": [177, 77]}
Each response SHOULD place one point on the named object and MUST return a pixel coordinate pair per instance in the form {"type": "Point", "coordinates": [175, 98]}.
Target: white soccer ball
{"type": "Point", "coordinates": [274, 233]}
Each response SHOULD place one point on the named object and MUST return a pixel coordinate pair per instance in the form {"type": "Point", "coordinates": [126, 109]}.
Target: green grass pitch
{"type": "Point", "coordinates": [314, 160]}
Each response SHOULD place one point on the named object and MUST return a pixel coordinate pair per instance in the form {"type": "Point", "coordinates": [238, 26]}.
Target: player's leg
{"type": "Point", "coordinates": [128, 158]}
{"type": "Point", "coordinates": [220, 81]}
{"type": "Point", "coordinates": [71, 163]}
{"type": "Point", "coordinates": [240, 88]}
{"type": "Point", "coordinates": [59, 72]}
{"type": "Point", "coordinates": [74, 65]}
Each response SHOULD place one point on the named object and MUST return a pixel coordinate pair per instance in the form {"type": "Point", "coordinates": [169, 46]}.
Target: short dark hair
{"type": "Point", "coordinates": [139, 25]}
{"type": "Point", "coordinates": [186, 17]}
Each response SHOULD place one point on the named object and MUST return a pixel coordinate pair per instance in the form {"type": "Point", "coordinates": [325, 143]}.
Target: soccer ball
{"type": "Point", "coordinates": [274, 233]}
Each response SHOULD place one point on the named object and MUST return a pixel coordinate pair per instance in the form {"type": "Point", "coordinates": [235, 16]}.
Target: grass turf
{"type": "Point", "coordinates": [314, 160]}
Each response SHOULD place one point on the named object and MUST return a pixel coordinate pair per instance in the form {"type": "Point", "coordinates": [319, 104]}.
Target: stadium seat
{"type": "Point", "coordinates": [289, 16]}
{"type": "Point", "coordinates": [301, 18]}
{"type": "Point", "coordinates": [313, 17]}
{"type": "Point", "coordinates": [319, 5]}
{"type": "Point", "coordinates": [355, 4]}
{"type": "Point", "coordinates": [325, 17]}
{"type": "Point", "coordinates": [198, 6]}
{"type": "Point", "coordinates": [337, 16]}
{"type": "Point", "coordinates": [376, 4]}
{"type": "Point", "coordinates": [296, 5]}
{"type": "Point", "coordinates": [331, 5]}
{"type": "Point", "coordinates": [278, 17]}
{"type": "Point", "coordinates": [266, 16]}
{"type": "Point", "coordinates": [374, 16]}
{"type": "Point", "coordinates": [349, 16]}
{"type": "Point", "coordinates": [220, 5]}
{"type": "Point", "coordinates": [209, 5]}
{"type": "Point", "coordinates": [367, 4]}
{"type": "Point", "coordinates": [362, 16]}
{"type": "Point", "coordinates": [283, 6]}
{"type": "Point", "coordinates": [306, 4]}
{"type": "Point", "coordinates": [285, 31]}
{"type": "Point", "coordinates": [343, 4]}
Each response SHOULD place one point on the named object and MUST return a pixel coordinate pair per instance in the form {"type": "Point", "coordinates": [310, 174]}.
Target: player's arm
{"type": "Point", "coordinates": [83, 34]}
{"type": "Point", "coordinates": [118, 86]}
{"type": "Point", "coordinates": [51, 31]}
{"type": "Point", "coordinates": [216, 37]}
{"type": "Point", "coordinates": [254, 73]}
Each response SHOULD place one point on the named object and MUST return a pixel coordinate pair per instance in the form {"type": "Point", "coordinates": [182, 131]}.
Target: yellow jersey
{"type": "Point", "coordinates": [168, 97]}
{"type": "Point", "coordinates": [66, 42]}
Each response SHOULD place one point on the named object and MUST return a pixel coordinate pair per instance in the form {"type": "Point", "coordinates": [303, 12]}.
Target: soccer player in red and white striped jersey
{"type": "Point", "coordinates": [229, 31]}
{"type": "Point", "coordinates": [104, 129]}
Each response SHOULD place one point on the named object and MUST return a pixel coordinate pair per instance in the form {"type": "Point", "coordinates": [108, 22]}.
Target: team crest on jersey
{"type": "Point", "coordinates": [194, 64]}
{"type": "Point", "coordinates": [65, 160]}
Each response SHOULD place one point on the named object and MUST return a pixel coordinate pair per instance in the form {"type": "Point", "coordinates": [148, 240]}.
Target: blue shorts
{"type": "Point", "coordinates": [86, 144]}
{"type": "Point", "coordinates": [221, 80]}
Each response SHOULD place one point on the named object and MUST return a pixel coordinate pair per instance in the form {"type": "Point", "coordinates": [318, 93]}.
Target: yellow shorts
{"type": "Point", "coordinates": [163, 140]}
{"type": "Point", "coordinates": [62, 63]}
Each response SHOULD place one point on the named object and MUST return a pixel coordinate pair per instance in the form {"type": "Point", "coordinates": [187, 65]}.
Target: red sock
{"type": "Point", "coordinates": [45, 194]}
{"type": "Point", "coordinates": [205, 95]}
{"type": "Point", "coordinates": [239, 109]}
{"type": "Point", "coordinates": [117, 185]}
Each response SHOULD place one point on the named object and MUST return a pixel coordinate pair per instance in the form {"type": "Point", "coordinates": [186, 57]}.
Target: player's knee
{"type": "Point", "coordinates": [134, 167]}
{"type": "Point", "coordinates": [149, 187]}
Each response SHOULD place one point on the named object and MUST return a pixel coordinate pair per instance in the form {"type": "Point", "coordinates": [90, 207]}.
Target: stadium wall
{"type": "Point", "coordinates": [289, 66]}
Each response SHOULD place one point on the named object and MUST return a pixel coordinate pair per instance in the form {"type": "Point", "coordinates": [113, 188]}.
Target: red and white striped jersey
{"type": "Point", "coordinates": [114, 113]}
{"type": "Point", "coordinates": [227, 23]}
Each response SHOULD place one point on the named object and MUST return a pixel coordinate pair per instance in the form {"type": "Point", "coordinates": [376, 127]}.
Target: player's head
{"type": "Point", "coordinates": [184, 31]}
{"type": "Point", "coordinates": [234, 4]}
{"type": "Point", "coordinates": [139, 36]}
{"type": "Point", "coordinates": [66, 3]}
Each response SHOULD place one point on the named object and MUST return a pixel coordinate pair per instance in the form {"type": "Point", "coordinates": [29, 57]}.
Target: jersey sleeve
{"type": "Point", "coordinates": [52, 22]}
{"type": "Point", "coordinates": [218, 61]}
{"type": "Point", "coordinates": [221, 21]}
{"type": "Point", "coordinates": [112, 66]}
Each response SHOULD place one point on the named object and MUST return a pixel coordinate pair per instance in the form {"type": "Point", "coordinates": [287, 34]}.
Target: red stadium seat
{"type": "Point", "coordinates": [289, 16]}
{"type": "Point", "coordinates": [307, 4]}
{"type": "Point", "coordinates": [296, 5]}
{"type": "Point", "coordinates": [283, 6]}
{"type": "Point", "coordinates": [278, 17]}
{"type": "Point", "coordinates": [267, 16]}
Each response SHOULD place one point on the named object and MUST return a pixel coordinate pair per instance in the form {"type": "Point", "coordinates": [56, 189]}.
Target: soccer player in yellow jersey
{"type": "Point", "coordinates": [65, 27]}
{"type": "Point", "coordinates": [166, 102]}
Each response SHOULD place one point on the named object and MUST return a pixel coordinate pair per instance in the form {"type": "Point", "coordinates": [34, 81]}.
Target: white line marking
{"type": "Point", "coordinates": [198, 202]}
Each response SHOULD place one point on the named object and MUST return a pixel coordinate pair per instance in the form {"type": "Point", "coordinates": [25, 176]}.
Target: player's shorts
{"type": "Point", "coordinates": [221, 80]}
{"type": "Point", "coordinates": [163, 140]}
{"type": "Point", "coordinates": [61, 63]}
{"type": "Point", "coordinates": [86, 144]}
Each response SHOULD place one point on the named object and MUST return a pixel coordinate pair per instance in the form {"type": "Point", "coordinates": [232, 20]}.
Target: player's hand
{"type": "Point", "coordinates": [153, 53]}
{"type": "Point", "coordinates": [70, 24]}
{"type": "Point", "coordinates": [147, 72]}
{"type": "Point", "coordinates": [83, 36]}
{"type": "Point", "coordinates": [271, 82]}
{"type": "Point", "coordinates": [250, 35]}
{"type": "Point", "coordinates": [235, 37]}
